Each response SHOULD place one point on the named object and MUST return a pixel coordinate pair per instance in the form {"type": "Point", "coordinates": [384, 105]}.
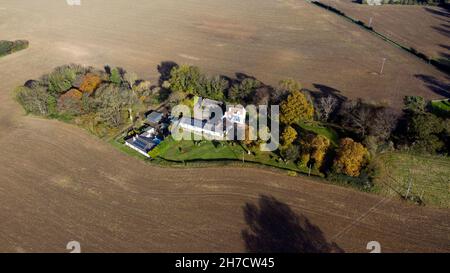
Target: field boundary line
{"type": "Point", "coordinates": [426, 59]}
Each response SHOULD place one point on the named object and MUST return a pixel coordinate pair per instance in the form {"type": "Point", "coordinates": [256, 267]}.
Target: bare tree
{"type": "Point", "coordinates": [384, 121]}
{"type": "Point", "coordinates": [358, 116]}
{"type": "Point", "coordinates": [325, 106]}
{"type": "Point", "coordinates": [130, 78]}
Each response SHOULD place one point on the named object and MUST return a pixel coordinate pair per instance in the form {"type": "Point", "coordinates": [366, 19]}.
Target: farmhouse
{"type": "Point", "coordinates": [202, 127]}
{"type": "Point", "coordinates": [236, 114]}
{"type": "Point", "coordinates": [208, 107]}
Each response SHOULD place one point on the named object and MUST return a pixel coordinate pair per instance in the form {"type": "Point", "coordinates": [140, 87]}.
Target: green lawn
{"type": "Point", "coordinates": [187, 151]}
{"type": "Point", "coordinates": [430, 176]}
{"type": "Point", "coordinates": [441, 107]}
{"type": "Point", "coordinates": [320, 129]}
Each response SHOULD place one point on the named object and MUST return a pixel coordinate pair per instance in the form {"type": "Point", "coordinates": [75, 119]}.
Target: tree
{"type": "Point", "coordinates": [60, 80]}
{"type": "Point", "coordinates": [424, 131]}
{"type": "Point", "coordinates": [70, 102]}
{"type": "Point", "coordinates": [319, 145]}
{"type": "Point", "coordinates": [243, 91]}
{"type": "Point", "coordinates": [314, 147]}
{"type": "Point", "coordinates": [185, 79]}
{"type": "Point", "coordinates": [115, 76]}
{"type": "Point", "coordinates": [291, 153]}
{"type": "Point", "coordinates": [351, 157]}
{"type": "Point", "coordinates": [262, 96]}
{"type": "Point", "coordinates": [326, 106]}
{"type": "Point", "coordinates": [383, 123]}
{"type": "Point", "coordinates": [90, 83]}
{"type": "Point", "coordinates": [130, 78]}
{"type": "Point", "coordinates": [34, 101]}
{"type": "Point", "coordinates": [213, 88]}
{"type": "Point", "coordinates": [248, 141]}
{"type": "Point", "coordinates": [113, 101]}
{"type": "Point", "coordinates": [414, 103]}
{"type": "Point", "coordinates": [290, 85]}
{"type": "Point", "coordinates": [296, 108]}
{"type": "Point", "coordinates": [288, 136]}
{"type": "Point", "coordinates": [357, 116]}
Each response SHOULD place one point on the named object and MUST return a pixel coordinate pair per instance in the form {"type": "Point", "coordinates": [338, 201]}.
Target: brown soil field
{"type": "Point", "coordinates": [58, 183]}
{"type": "Point", "coordinates": [425, 28]}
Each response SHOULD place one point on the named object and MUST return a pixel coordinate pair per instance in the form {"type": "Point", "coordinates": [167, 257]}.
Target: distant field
{"type": "Point", "coordinates": [424, 28]}
{"type": "Point", "coordinates": [430, 177]}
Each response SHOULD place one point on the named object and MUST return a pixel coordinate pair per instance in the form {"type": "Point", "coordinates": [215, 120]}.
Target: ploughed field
{"type": "Point", "coordinates": [268, 39]}
{"type": "Point", "coordinates": [58, 183]}
{"type": "Point", "coordinates": [424, 28]}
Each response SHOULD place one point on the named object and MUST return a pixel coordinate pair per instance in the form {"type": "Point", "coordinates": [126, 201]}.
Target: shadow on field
{"type": "Point", "coordinates": [438, 87]}
{"type": "Point", "coordinates": [439, 12]}
{"type": "Point", "coordinates": [274, 228]}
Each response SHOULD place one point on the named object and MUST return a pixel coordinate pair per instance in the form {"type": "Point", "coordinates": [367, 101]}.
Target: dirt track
{"type": "Point", "coordinates": [58, 183]}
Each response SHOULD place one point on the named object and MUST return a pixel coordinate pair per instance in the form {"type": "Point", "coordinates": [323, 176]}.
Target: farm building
{"type": "Point", "coordinates": [144, 142]}
{"type": "Point", "coordinates": [154, 118]}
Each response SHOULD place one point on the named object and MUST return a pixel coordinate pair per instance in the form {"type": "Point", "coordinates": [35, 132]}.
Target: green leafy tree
{"type": "Point", "coordinates": [185, 79]}
{"type": "Point", "coordinates": [425, 131]}
{"type": "Point", "coordinates": [243, 91]}
{"type": "Point", "coordinates": [115, 76]}
{"type": "Point", "coordinates": [61, 80]}
{"type": "Point", "coordinates": [290, 85]}
{"type": "Point", "coordinates": [34, 101]}
{"type": "Point", "coordinates": [213, 88]}
{"type": "Point", "coordinates": [415, 103]}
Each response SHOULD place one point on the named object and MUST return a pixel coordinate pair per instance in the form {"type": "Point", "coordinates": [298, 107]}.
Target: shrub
{"type": "Point", "coordinates": [61, 79]}
{"type": "Point", "coordinates": [34, 101]}
{"type": "Point", "coordinates": [70, 102]}
{"type": "Point", "coordinates": [8, 47]}
{"type": "Point", "coordinates": [90, 83]}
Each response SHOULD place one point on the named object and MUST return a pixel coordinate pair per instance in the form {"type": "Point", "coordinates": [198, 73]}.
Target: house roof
{"type": "Point", "coordinates": [201, 124]}
{"type": "Point", "coordinates": [143, 143]}
{"type": "Point", "coordinates": [155, 117]}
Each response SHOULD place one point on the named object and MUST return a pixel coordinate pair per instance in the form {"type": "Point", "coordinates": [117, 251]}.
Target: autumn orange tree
{"type": "Point", "coordinates": [296, 108]}
{"type": "Point", "coordinates": [314, 147]}
{"type": "Point", "coordinates": [351, 157]}
{"type": "Point", "coordinates": [288, 136]}
{"type": "Point", "coordinates": [90, 83]}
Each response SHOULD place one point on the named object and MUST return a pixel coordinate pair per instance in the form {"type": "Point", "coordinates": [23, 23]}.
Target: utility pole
{"type": "Point", "coordinates": [409, 187]}
{"type": "Point", "coordinates": [382, 66]}
{"type": "Point", "coordinates": [309, 171]}
{"type": "Point", "coordinates": [243, 157]}
{"type": "Point", "coordinates": [370, 22]}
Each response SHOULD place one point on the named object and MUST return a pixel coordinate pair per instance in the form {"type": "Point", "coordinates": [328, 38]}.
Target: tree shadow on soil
{"type": "Point", "coordinates": [435, 85]}
{"type": "Point", "coordinates": [274, 228]}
